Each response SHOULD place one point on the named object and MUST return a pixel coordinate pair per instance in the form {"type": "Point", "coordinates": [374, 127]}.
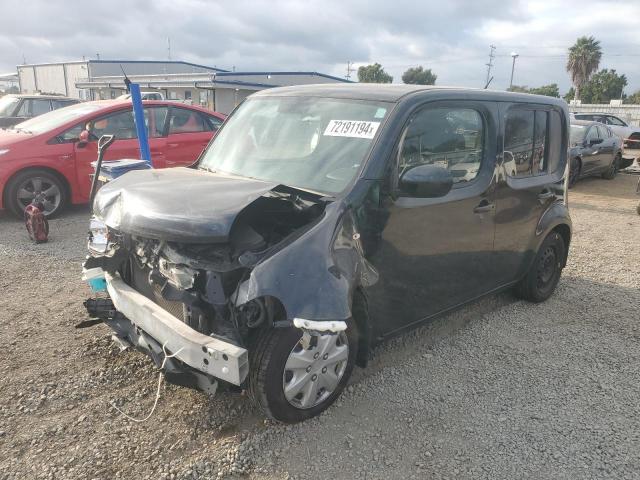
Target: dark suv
{"type": "Point", "coordinates": [323, 219]}
{"type": "Point", "coordinates": [18, 108]}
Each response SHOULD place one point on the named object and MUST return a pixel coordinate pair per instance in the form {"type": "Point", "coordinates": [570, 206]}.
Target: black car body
{"type": "Point", "coordinates": [18, 108]}
{"type": "Point", "coordinates": [595, 151]}
{"type": "Point", "coordinates": [326, 219]}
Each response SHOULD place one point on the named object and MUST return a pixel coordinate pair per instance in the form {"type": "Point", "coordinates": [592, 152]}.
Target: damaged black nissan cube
{"type": "Point", "coordinates": [323, 219]}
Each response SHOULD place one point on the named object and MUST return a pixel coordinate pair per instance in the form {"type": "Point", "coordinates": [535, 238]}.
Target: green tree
{"type": "Point", "coordinates": [373, 74]}
{"type": "Point", "coordinates": [419, 76]}
{"type": "Point", "coordinates": [550, 90]}
{"type": "Point", "coordinates": [634, 98]}
{"type": "Point", "coordinates": [518, 89]}
{"type": "Point", "coordinates": [570, 95]}
{"type": "Point", "coordinates": [604, 86]}
{"type": "Point", "coordinates": [584, 59]}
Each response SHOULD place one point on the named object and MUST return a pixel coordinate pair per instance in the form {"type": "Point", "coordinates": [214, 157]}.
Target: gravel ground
{"type": "Point", "coordinates": [499, 390]}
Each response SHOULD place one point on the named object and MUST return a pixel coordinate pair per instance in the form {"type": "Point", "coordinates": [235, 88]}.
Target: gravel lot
{"type": "Point", "coordinates": [499, 390]}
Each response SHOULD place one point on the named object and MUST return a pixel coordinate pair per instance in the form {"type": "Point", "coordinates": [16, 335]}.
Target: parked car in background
{"type": "Point", "coordinates": [323, 219]}
{"type": "Point", "coordinates": [18, 108]}
{"type": "Point", "coordinates": [594, 150]}
{"type": "Point", "coordinates": [144, 96]}
{"type": "Point", "coordinates": [629, 134]}
{"type": "Point", "coordinates": [44, 158]}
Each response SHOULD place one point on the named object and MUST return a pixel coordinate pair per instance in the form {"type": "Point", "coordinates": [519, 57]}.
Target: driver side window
{"type": "Point", "coordinates": [120, 124]}
{"type": "Point", "coordinates": [448, 137]}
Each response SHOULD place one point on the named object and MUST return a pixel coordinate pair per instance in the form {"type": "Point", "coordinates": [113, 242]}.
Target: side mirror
{"type": "Point", "coordinates": [595, 141]}
{"type": "Point", "coordinates": [83, 139]}
{"type": "Point", "coordinates": [426, 181]}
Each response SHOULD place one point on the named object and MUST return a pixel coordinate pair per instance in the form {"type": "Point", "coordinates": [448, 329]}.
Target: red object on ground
{"type": "Point", "coordinates": [36, 223]}
{"type": "Point", "coordinates": [48, 150]}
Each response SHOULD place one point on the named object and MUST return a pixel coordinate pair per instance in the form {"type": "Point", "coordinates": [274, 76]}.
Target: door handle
{"type": "Point", "coordinates": [484, 207]}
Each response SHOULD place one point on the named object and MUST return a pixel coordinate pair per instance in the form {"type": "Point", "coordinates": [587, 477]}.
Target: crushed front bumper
{"type": "Point", "coordinates": [149, 327]}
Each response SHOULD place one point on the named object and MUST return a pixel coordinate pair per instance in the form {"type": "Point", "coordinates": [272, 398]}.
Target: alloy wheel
{"type": "Point", "coordinates": [40, 189]}
{"type": "Point", "coordinates": [312, 374]}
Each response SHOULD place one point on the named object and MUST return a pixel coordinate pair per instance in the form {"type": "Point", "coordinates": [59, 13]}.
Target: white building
{"type": "Point", "coordinates": [211, 87]}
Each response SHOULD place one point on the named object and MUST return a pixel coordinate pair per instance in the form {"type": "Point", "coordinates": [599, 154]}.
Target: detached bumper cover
{"type": "Point", "coordinates": [208, 355]}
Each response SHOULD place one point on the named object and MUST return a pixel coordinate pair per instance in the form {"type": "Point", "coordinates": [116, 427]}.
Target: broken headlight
{"type": "Point", "coordinates": [100, 242]}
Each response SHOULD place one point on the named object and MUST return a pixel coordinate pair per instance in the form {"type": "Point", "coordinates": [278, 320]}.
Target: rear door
{"type": "Point", "coordinates": [531, 156]}
{"type": "Point", "coordinates": [606, 148]}
{"type": "Point", "coordinates": [189, 131]}
{"type": "Point", "coordinates": [591, 153]}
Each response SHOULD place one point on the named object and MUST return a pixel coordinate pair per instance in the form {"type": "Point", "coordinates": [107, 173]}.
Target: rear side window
{"type": "Point", "coordinates": [62, 103]}
{"type": "Point", "coordinates": [39, 107]}
{"type": "Point", "coordinates": [525, 142]}
{"type": "Point", "coordinates": [187, 121]}
{"type": "Point", "coordinates": [451, 138]}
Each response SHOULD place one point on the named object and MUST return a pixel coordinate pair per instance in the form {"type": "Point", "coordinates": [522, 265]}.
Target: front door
{"type": "Point", "coordinates": [435, 253]}
{"type": "Point", "coordinates": [122, 125]}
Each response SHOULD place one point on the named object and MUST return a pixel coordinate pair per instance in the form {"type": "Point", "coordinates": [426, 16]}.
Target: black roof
{"type": "Point", "coordinates": [395, 92]}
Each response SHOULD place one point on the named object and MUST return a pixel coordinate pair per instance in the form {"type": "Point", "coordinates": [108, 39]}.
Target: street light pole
{"type": "Point", "coordinates": [514, 55]}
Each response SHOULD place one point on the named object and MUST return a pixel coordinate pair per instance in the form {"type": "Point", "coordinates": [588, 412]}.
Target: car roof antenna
{"type": "Point", "coordinates": [127, 82]}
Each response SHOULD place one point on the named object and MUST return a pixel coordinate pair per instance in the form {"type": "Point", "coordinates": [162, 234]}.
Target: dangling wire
{"type": "Point", "coordinates": [160, 378]}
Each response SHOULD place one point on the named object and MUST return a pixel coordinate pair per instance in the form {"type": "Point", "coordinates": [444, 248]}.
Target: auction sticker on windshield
{"type": "Point", "coordinates": [351, 128]}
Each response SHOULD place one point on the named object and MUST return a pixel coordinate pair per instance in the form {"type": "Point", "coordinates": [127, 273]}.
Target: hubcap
{"type": "Point", "coordinates": [312, 375]}
{"type": "Point", "coordinates": [546, 267]}
{"type": "Point", "coordinates": [42, 190]}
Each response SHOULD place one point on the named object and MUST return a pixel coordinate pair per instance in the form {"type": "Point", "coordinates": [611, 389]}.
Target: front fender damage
{"type": "Point", "coordinates": [315, 276]}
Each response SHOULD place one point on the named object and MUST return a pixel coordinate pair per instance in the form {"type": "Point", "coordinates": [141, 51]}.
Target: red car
{"type": "Point", "coordinates": [43, 157]}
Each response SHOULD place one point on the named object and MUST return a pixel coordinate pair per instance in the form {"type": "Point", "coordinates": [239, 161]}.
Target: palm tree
{"type": "Point", "coordinates": [584, 58]}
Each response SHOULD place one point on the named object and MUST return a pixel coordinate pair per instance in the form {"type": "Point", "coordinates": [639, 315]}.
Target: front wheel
{"type": "Point", "coordinates": [544, 274]}
{"type": "Point", "coordinates": [293, 379]}
{"type": "Point", "coordinates": [39, 186]}
{"type": "Point", "coordinates": [612, 171]}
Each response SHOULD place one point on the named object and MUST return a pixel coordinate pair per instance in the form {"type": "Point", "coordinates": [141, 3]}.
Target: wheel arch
{"type": "Point", "coordinates": [59, 175]}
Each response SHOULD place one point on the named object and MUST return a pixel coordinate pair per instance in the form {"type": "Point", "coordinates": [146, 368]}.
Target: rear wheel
{"type": "Point", "coordinates": [543, 276]}
{"type": "Point", "coordinates": [293, 380]}
{"type": "Point", "coordinates": [612, 171]}
{"type": "Point", "coordinates": [39, 185]}
{"type": "Point", "coordinates": [574, 171]}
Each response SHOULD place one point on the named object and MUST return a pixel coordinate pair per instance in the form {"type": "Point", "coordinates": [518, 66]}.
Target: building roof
{"type": "Point", "coordinates": [270, 73]}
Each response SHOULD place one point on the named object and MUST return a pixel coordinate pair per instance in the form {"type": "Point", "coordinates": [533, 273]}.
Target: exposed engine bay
{"type": "Point", "coordinates": [198, 282]}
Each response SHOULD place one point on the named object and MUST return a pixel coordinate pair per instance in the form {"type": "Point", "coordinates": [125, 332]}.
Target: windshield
{"type": "Point", "coordinates": [577, 134]}
{"type": "Point", "coordinates": [8, 105]}
{"type": "Point", "coordinates": [57, 118]}
{"type": "Point", "coordinates": [312, 143]}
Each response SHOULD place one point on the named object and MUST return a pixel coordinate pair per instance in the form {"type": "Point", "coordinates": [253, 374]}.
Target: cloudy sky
{"type": "Point", "coordinates": [452, 37]}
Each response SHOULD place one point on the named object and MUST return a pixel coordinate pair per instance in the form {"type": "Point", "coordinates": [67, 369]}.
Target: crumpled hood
{"type": "Point", "coordinates": [176, 204]}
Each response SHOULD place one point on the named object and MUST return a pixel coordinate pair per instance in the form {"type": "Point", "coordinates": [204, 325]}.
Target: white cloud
{"type": "Point", "coordinates": [452, 38]}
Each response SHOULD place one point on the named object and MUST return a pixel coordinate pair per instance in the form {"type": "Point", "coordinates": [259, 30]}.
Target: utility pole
{"type": "Point", "coordinates": [514, 55]}
{"type": "Point", "coordinates": [98, 56]}
{"type": "Point", "coordinates": [489, 65]}
{"type": "Point", "coordinates": [169, 48]}
{"type": "Point", "coordinates": [349, 70]}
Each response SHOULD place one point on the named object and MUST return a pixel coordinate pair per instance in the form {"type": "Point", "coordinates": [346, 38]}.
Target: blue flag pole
{"type": "Point", "coordinates": [141, 129]}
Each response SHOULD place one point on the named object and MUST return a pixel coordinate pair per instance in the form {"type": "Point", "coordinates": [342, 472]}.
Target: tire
{"type": "Point", "coordinates": [269, 375]}
{"type": "Point", "coordinates": [612, 171]}
{"type": "Point", "coordinates": [574, 171]}
{"type": "Point", "coordinates": [24, 187]}
{"type": "Point", "coordinates": [544, 274]}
